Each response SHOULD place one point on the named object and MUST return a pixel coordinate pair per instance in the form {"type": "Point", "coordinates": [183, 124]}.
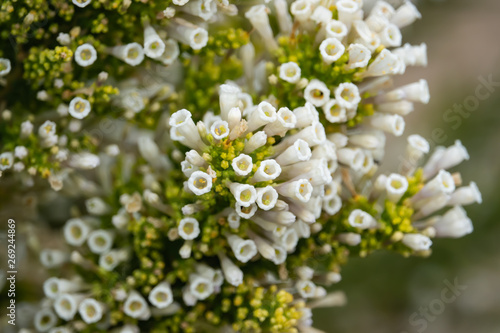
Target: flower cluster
{"type": "Point", "coordinates": [218, 159]}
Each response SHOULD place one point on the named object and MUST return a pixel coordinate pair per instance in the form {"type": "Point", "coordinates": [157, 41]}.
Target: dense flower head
{"type": "Point", "coordinates": [219, 159]}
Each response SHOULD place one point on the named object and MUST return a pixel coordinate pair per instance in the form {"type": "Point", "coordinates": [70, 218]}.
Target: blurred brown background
{"type": "Point", "coordinates": [384, 290]}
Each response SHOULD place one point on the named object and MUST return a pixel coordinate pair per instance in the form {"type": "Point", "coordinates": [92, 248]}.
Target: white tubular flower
{"type": "Point", "coordinates": [453, 156]}
{"type": "Point", "coordinates": [153, 45]}
{"type": "Point", "coordinates": [233, 219]}
{"type": "Point", "coordinates": [347, 95]}
{"type": "Point", "coordinates": [417, 147]}
{"type": "Point", "coordinates": [195, 158]}
{"type": "Point", "coordinates": [332, 205]}
{"type": "Point", "coordinates": [284, 20]}
{"type": "Point", "coordinates": [386, 63]}
{"type": "Point", "coordinates": [53, 287]}
{"type": "Point", "coordinates": [301, 10]}
{"type": "Point", "coordinates": [290, 240]}
{"type": "Point", "coordinates": [268, 170]}
{"type": "Point", "coordinates": [413, 55]}
{"type": "Point", "coordinates": [6, 161]}
{"type": "Point", "coordinates": [264, 248]}
{"type": "Point", "coordinates": [91, 310]}
{"type": "Point", "coordinates": [204, 9]}
{"type": "Point", "coordinates": [414, 92]}
{"type": "Point", "coordinates": [85, 55]}
{"type": "Point", "coordinates": [234, 120]}
{"type": "Point", "coordinates": [245, 212]}
{"type": "Point", "coordinates": [359, 56]}
{"type": "Point", "coordinates": [336, 29]}
{"type": "Point", "coordinates": [290, 72]}
{"type": "Point", "coordinates": [283, 217]}
{"type": "Point", "coordinates": [171, 52]}
{"type": "Point", "coordinates": [417, 242]}
{"type": "Point", "coordinates": [242, 165]}
{"type": "Point", "coordinates": [53, 258]}
{"type": "Point", "coordinates": [188, 169]}
{"type": "Point", "coordinates": [149, 150]}
{"type": "Point", "coordinates": [189, 34]}
{"type": "Point", "coordinates": [66, 305]}
{"type": "Point", "coordinates": [279, 254]}
{"type": "Point", "coordinates": [405, 15]}
{"type": "Point", "coordinates": [257, 15]}
{"type": "Point", "coordinates": [185, 130]}
{"type": "Point", "coordinates": [352, 157]}
{"type": "Point", "coordinates": [402, 108]}
{"type": "Point", "coordinates": [47, 129]}
{"type": "Point", "coordinates": [100, 241]}
{"type": "Point", "coordinates": [430, 168]}
{"type": "Point", "coordinates": [84, 161]}
{"type": "Point", "coordinates": [350, 238]}
{"type": "Point", "coordinates": [132, 53]}
{"type": "Point", "coordinates": [266, 197]}
{"type": "Point", "coordinates": [361, 219]}
{"type": "Point", "coordinates": [330, 190]}
{"type": "Point", "coordinates": [232, 273]}
{"type": "Point", "coordinates": [305, 288]}
{"type": "Point", "coordinates": [314, 135]}
{"type": "Point", "coordinates": [298, 152]}
{"type": "Point", "coordinates": [317, 93]}
{"type": "Point", "coordinates": [243, 249]}
{"type": "Point", "coordinates": [219, 129]}
{"type": "Point", "coordinates": [264, 114]}
{"type": "Point", "coordinates": [44, 320]}
{"type": "Point", "coordinates": [245, 102]}
{"type": "Point", "coordinates": [393, 124]}
{"type": "Point", "coordinates": [200, 182]}
{"type": "Point", "coordinates": [27, 129]}
{"type": "Point", "coordinates": [442, 183]}
{"type": "Point", "coordinates": [321, 15]}
{"type": "Point", "coordinates": [454, 224]}
{"type": "Point", "coordinates": [306, 115]}
{"type": "Point", "coordinates": [396, 187]}
{"type": "Point", "coordinates": [109, 260]}
{"type": "Point", "coordinates": [228, 99]}
{"type": "Point", "coordinates": [331, 49]}
{"type": "Point", "coordinates": [390, 36]}
{"type": "Point", "coordinates": [300, 190]}
{"type": "Point", "coordinates": [348, 11]}
{"type": "Point", "coordinates": [180, 2]}
{"type": "Point", "coordinates": [79, 108]}
{"type": "Point", "coordinates": [20, 152]}
{"type": "Point", "coordinates": [76, 232]}
{"type": "Point", "coordinates": [383, 8]}
{"type": "Point", "coordinates": [97, 206]}
{"type": "Point", "coordinates": [244, 194]}
{"type": "Point", "coordinates": [185, 250]}
{"type": "Point", "coordinates": [81, 3]}
{"type": "Point", "coordinates": [135, 306]}
{"type": "Point", "coordinates": [380, 15]}
{"type": "Point", "coordinates": [466, 195]}
{"type": "Point", "coordinates": [200, 287]}
{"type": "Point", "coordinates": [366, 140]}
{"type": "Point", "coordinates": [188, 228]}
{"type": "Point", "coordinates": [161, 295]}
{"type": "Point", "coordinates": [334, 113]}
{"type": "Point", "coordinates": [431, 205]}
{"type": "Point", "coordinates": [285, 120]}
{"type": "Point", "coordinates": [5, 66]}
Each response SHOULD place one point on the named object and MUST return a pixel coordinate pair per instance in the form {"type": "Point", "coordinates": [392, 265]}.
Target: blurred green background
{"type": "Point", "coordinates": [383, 290]}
